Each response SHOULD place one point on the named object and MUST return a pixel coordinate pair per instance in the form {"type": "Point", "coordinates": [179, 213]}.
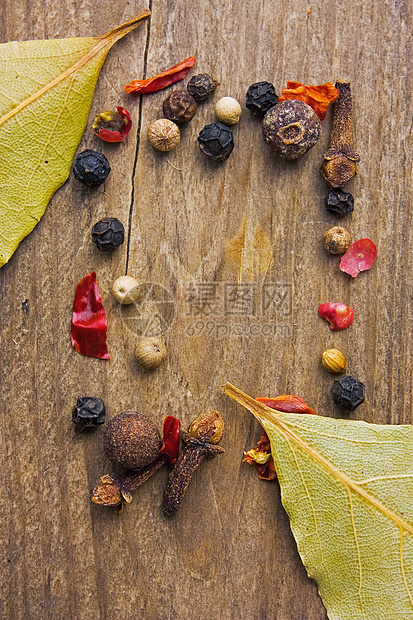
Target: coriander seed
{"type": "Point", "coordinates": [150, 353]}
{"type": "Point", "coordinates": [163, 134]}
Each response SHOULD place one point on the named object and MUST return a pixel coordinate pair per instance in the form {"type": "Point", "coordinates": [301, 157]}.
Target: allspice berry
{"type": "Point", "coordinates": [150, 352]}
{"type": "Point", "coordinates": [179, 107]}
{"type": "Point", "coordinates": [132, 440]}
{"type": "Point", "coordinates": [163, 134]}
{"type": "Point", "coordinates": [228, 110]}
{"type": "Point", "coordinates": [291, 128]}
{"type": "Point", "coordinates": [336, 240]}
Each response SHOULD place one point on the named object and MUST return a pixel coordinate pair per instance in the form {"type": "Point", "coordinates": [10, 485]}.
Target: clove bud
{"type": "Point", "coordinates": [339, 165]}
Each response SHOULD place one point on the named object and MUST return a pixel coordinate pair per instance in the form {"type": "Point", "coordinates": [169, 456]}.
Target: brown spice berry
{"type": "Point", "coordinates": [132, 440]}
{"type": "Point", "coordinates": [163, 134]}
{"type": "Point", "coordinates": [202, 86]}
{"type": "Point", "coordinates": [179, 107]}
{"type": "Point", "coordinates": [336, 240]}
{"type": "Point", "coordinates": [208, 427]}
{"type": "Point", "coordinates": [150, 352]}
{"type": "Point", "coordinates": [291, 128]}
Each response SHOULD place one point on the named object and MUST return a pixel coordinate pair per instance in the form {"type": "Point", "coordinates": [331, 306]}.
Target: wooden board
{"type": "Point", "coordinates": [195, 229]}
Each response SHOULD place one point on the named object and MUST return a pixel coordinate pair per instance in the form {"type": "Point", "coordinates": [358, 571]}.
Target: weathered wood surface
{"type": "Point", "coordinates": [229, 552]}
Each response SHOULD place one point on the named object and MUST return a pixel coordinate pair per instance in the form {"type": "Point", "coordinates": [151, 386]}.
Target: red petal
{"type": "Point", "coordinates": [338, 315]}
{"type": "Point", "coordinates": [286, 403]}
{"type": "Point", "coordinates": [359, 257]}
{"type": "Point", "coordinates": [89, 326]}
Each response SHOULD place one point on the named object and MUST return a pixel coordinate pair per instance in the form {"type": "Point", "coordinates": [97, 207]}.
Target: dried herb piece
{"type": "Point", "coordinates": [337, 314]}
{"type": "Point", "coordinates": [261, 96]}
{"type": "Point", "coordinates": [194, 451]}
{"type": "Point", "coordinates": [202, 86]}
{"type": "Point", "coordinates": [170, 438]}
{"type": "Point", "coordinates": [346, 486]}
{"type": "Point", "coordinates": [89, 326]}
{"type": "Point", "coordinates": [216, 141]}
{"type": "Point", "coordinates": [179, 107]}
{"type": "Point", "coordinates": [113, 126]}
{"type": "Point", "coordinates": [348, 393]}
{"type": "Point", "coordinates": [317, 97]}
{"type": "Point", "coordinates": [360, 256]}
{"type": "Point", "coordinates": [171, 76]}
{"type": "Point", "coordinates": [339, 164]}
{"type": "Point", "coordinates": [88, 413]}
{"type": "Point", "coordinates": [339, 202]}
{"type": "Point", "coordinates": [108, 234]}
{"type": "Point", "coordinates": [51, 92]}
{"type": "Point", "coordinates": [291, 128]}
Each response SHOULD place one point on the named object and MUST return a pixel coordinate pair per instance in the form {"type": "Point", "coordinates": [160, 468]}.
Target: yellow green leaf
{"type": "Point", "coordinates": [347, 487]}
{"type": "Point", "coordinates": [46, 88]}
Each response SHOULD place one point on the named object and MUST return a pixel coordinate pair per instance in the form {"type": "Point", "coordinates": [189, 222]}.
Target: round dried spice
{"type": "Point", "coordinates": [228, 110]}
{"type": "Point", "coordinates": [179, 107]}
{"type": "Point", "coordinates": [113, 126]}
{"type": "Point", "coordinates": [108, 234]}
{"type": "Point", "coordinates": [261, 96]}
{"type": "Point", "coordinates": [150, 353]}
{"type": "Point", "coordinates": [202, 86]}
{"type": "Point", "coordinates": [216, 141]}
{"type": "Point", "coordinates": [132, 440]}
{"type": "Point", "coordinates": [348, 393]}
{"type": "Point", "coordinates": [91, 168]}
{"type": "Point", "coordinates": [339, 202]}
{"type": "Point", "coordinates": [336, 240]}
{"type": "Point", "coordinates": [359, 257]}
{"type": "Point", "coordinates": [291, 128]}
{"type": "Point", "coordinates": [163, 134]}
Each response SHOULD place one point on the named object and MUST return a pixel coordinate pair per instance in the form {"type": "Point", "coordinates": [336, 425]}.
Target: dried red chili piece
{"type": "Point", "coordinates": [338, 315]}
{"type": "Point", "coordinates": [170, 438]}
{"type": "Point", "coordinates": [158, 82]}
{"type": "Point", "coordinates": [317, 97]}
{"type": "Point", "coordinates": [113, 126]}
{"type": "Point", "coordinates": [288, 403]}
{"type": "Point", "coordinates": [359, 257]}
{"type": "Point", "coordinates": [261, 456]}
{"type": "Point", "coordinates": [89, 326]}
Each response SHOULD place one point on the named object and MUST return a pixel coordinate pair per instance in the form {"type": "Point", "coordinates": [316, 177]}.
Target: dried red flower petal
{"type": "Point", "coordinates": [171, 438]}
{"type": "Point", "coordinates": [338, 315]}
{"type": "Point", "coordinates": [359, 257]}
{"type": "Point", "coordinates": [113, 135]}
{"type": "Point", "coordinates": [89, 326]}
{"type": "Point", "coordinates": [158, 82]}
{"type": "Point", "coordinates": [317, 97]}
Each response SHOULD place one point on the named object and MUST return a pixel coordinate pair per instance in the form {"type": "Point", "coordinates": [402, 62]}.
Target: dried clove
{"type": "Point", "coordinates": [339, 165]}
{"type": "Point", "coordinates": [117, 490]}
{"type": "Point", "coordinates": [204, 433]}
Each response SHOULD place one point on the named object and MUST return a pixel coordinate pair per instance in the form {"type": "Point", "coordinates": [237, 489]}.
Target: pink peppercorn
{"type": "Point", "coordinates": [338, 315]}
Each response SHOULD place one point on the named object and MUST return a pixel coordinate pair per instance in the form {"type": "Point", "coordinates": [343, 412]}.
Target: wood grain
{"type": "Point", "coordinates": [228, 553]}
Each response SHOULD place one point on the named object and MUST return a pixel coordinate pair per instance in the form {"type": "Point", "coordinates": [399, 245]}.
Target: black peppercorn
{"type": "Point", "coordinates": [91, 168]}
{"type": "Point", "coordinates": [202, 86]}
{"type": "Point", "coordinates": [179, 107]}
{"type": "Point", "coordinates": [291, 128]}
{"type": "Point", "coordinates": [216, 141]}
{"type": "Point", "coordinates": [88, 413]}
{"type": "Point", "coordinates": [261, 97]}
{"type": "Point", "coordinates": [339, 202]}
{"type": "Point", "coordinates": [108, 234]}
{"type": "Point", "coordinates": [348, 393]}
